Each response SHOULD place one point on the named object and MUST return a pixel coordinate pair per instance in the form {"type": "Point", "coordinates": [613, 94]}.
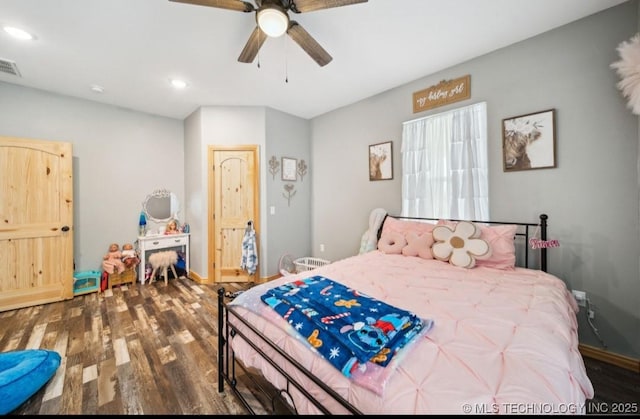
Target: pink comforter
{"type": "Point", "coordinates": [502, 341]}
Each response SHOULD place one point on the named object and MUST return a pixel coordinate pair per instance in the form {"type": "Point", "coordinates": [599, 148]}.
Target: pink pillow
{"type": "Point", "coordinates": [406, 226]}
{"type": "Point", "coordinates": [418, 245]}
{"type": "Point", "coordinates": [417, 235]}
{"type": "Point", "coordinates": [503, 246]}
{"type": "Point", "coordinates": [392, 243]}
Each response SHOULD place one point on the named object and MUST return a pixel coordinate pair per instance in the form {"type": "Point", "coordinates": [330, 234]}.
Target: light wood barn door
{"type": "Point", "coordinates": [234, 198]}
{"type": "Point", "coordinates": [36, 217]}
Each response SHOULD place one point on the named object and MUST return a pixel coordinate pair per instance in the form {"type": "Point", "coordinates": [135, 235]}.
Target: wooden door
{"type": "Point", "coordinates": [233, 197]}
{"type": "Point", "coordinates": [36, 222]}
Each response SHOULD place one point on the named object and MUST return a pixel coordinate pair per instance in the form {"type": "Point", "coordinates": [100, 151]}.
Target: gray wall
{"type": "Point", "coordinates": [277, 134]}
{"type": "Point", "coordinates": [195, 181]}
{"type": "Point", "coordinates": [592, 197]}
{"type": "Point", "coordinates": [119, 157]}
{"type": "Point", "coordinates": [208, 126]}
{"type": "Point", "coordinates": [289, 229]}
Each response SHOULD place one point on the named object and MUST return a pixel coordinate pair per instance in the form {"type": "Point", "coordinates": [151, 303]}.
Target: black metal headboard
{"type": "Point", "coordinates": [524, 232]}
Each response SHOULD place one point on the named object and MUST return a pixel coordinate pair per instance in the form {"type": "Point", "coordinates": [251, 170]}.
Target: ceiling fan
{"type": "Point", "coordinates": [272, 18]}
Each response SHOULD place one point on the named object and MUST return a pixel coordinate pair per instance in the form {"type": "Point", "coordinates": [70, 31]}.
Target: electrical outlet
{"type": "Point", "coordinates": [581, 297]}
{"type": "Point", "coordinates": [592, 314]}
{"type": "Point", "coordinates": [322, 247]}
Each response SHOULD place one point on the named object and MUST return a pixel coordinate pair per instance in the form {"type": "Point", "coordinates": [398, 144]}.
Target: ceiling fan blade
{"type": "Point", "coordinates": [253, 45]}
{"type": "Point", "coordinates": [310, 45]}
{"type": "Point", "coordinates": [302, 6]}
{"type": "Point", "coordinates": [241, 6]}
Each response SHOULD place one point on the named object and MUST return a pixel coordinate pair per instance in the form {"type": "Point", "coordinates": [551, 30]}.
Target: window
{"type": "Point", "coordinates": [444, 165]}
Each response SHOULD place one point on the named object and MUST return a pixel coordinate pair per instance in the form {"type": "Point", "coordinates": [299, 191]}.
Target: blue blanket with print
{"type": "Point", "coordinates": [347, 327]}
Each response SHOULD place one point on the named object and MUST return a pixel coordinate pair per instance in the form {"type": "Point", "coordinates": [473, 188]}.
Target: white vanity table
{"type": "Point", "coordinates": [148, 244]}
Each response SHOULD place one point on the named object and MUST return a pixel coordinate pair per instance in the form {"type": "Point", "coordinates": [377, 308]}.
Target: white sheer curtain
{"type": "Point", "coordinates": [444, 165]}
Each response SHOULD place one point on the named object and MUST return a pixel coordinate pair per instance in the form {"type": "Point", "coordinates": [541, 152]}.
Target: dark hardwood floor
{"type": "Point", "coordinates": [617, 390]}
{"type": "Point", "coordinates": [151, 349]}
{"type": "Point", "coordinates": [136, 349]}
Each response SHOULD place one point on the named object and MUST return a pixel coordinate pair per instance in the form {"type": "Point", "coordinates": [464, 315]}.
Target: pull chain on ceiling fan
{"type": "Point", "coordinates": [272, 20]}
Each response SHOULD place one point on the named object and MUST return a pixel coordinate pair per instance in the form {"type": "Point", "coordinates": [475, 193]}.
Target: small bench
{"type": "Point", "coordinates": [128, 276]}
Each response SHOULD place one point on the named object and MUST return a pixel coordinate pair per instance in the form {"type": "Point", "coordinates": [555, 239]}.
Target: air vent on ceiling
{"type": "Point", "coordinates": [9, 67]}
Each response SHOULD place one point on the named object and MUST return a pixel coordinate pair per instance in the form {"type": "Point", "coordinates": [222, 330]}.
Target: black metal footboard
{"type": "Point", "coordinates": [227, 364]}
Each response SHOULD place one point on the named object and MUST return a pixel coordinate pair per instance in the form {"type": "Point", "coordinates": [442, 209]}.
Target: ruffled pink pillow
{"type": "Point", "coordinates": [392, 243]}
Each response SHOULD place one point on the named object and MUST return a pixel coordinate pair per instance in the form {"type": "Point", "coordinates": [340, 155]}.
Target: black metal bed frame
{"type": "Point", "coordinates": [227, 361]}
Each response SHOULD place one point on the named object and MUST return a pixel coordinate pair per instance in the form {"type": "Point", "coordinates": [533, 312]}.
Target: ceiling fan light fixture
{"type": "Point", "coordinates": [273, 21]}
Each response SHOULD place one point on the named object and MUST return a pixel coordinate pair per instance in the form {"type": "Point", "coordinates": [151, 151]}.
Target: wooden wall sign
{"type": "Point", "coordinates": [443, 93]}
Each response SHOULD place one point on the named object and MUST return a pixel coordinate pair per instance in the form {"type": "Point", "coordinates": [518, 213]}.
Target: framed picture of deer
{"type": "Point", "coordinates": [529, 141]}
{"type": "Point", "coordinates": [381, 161]}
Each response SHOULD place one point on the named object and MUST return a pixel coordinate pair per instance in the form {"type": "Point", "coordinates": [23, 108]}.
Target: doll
{"type": "Point", "coordinates": [129, 256]}
{"type": "Point", "coordinates": [112, 261]}
{"type": "Point", "coordinates": [172, 227]}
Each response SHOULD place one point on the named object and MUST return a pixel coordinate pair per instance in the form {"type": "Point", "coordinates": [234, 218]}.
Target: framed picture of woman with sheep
{"type": "Point", "coordinates": [528, 141]}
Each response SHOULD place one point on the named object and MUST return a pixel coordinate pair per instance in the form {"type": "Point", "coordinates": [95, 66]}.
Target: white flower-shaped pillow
{"type": "Point", "coordinates": [460, 246]}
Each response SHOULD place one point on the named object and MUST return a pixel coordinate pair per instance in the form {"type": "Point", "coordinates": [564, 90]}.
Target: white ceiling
{"type": "Point", "coordinates": [133, 47]}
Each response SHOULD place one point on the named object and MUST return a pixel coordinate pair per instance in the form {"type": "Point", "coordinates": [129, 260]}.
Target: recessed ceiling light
{"type": "Point", "coordinates": [18, 33]}
{"type": "Point", "coordinates": [178, 84]}
{"type": "Point", "coordinates": [97, 89]}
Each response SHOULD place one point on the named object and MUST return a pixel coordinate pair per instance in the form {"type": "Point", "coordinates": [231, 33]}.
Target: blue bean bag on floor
{"type": "Point", "coordinates": [23, 373]}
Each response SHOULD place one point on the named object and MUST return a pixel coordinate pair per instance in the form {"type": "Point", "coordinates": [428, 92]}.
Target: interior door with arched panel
{"type": "Point", "coordinates": [36, 222]}
{"type": "Point", "coordinates": [234, 201]}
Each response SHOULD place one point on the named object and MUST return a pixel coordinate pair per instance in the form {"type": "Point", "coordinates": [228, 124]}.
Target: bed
{"type": "Point", "coordinates": [502, 335]}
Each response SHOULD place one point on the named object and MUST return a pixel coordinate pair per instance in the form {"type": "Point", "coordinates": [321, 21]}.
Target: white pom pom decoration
{"type": "Point", "coordinates": [628, 69]}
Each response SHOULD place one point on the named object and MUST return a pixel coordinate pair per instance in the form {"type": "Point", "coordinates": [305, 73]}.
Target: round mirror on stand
{"type": "Point", "coordinates": [161, 206]}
